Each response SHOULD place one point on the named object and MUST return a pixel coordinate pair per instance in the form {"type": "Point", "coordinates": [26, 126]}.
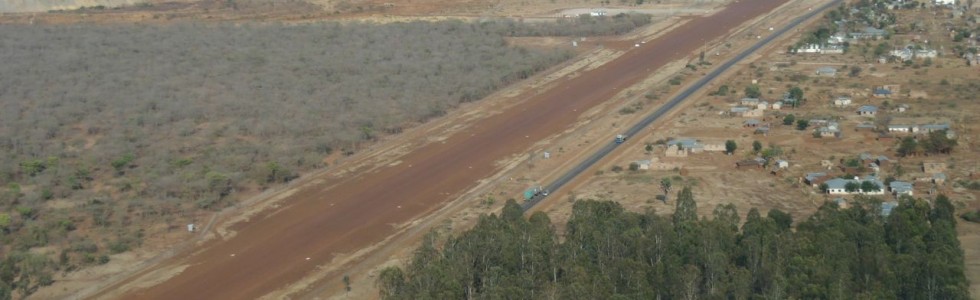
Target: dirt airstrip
{"type": "Point", "coordinates": [344, 212]}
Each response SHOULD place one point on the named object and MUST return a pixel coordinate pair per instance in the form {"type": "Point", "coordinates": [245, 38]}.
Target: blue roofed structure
{"type": "Point", "coordinates": [739, 109]}
{"type": "Point", "coordinates": [887, 207]}
{"type": "Point", "coordinates": [901, 188]}
{"type": "Point", "coordinates": [867, 110]}
{"type": "Point", "coordinates": [880, 92]}
{"type": "Point", "coordinates": [838, 186]}
{"type": "Point", "coordinates": [686, 143]}
{"type": "Point", "coordinates": [934, 127]}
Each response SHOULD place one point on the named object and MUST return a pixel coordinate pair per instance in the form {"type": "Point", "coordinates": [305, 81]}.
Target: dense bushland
{"type": "Point", "coordinates": [584, 25]}
{"type": "Point", "coordinates": [108, 131]}
{"type": "Point", "coordinates": [609, 253]}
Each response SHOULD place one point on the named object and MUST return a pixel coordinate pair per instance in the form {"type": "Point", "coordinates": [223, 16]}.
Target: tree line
{"type": "Point", "coordinates": [610, 253]}
{"type": "Point", "coordinates": [936, 142]}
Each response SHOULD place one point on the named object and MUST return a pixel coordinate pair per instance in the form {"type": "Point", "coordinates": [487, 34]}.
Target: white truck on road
{"type": "Point", "coordinates": [620, 138]}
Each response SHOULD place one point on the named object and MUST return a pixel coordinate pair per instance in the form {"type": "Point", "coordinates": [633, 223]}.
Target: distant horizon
{"type": "Point", "coordinates": [41, 6]}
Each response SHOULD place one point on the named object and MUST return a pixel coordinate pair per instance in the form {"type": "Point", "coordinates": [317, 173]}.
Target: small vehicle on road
{"type": "Point", "coordinates": [532, 192]}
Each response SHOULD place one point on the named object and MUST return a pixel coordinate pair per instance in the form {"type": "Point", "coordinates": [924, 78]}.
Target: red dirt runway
{"type": "Point", "coordinates": [271, 251]}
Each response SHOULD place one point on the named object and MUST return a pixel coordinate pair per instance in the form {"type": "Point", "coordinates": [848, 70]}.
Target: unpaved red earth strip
{"type": "Point", "coordinates": [273, 250]}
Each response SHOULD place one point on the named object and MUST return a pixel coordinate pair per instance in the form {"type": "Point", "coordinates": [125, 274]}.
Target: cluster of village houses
{"type": "Point", "coordinates": [932, 173]}
{"type": "Point", "coordinates": [829, 181]}
{"type": "Point", "coordinates": [835, 44]}
{"type": "Point", "coordinates": [856, 176]}
{"type": "Point", "coordinates": [909, 52]}
{"type": "Point", "coordinates": [837, 179]}
{"type": "Point", "coordinates": [753, 108]}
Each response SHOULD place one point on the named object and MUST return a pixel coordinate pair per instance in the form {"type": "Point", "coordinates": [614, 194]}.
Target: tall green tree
{"type": "Point", "coordinates": [802, 124]}
{"type": "Point", "coordinates": [752, 91]}
{"type": "Point", "coordinates": [908, 146]}
{"type": "Point", "coordinates": [868, 186]}
{"type": "Point", "coordinates": [665, 185]}
{"type": "Point", "coordinates": [796, 93]}
{"type": "Point", "coordinates": [608, 252]}
{"type": "Point", "coordinates": [938, 142]}
{"type": "Point", "coordinates": [730, 147]}
{"type": "Point", "coordinates": [789, 119]}
{"type": "Point", "coordinates": [686, 210]}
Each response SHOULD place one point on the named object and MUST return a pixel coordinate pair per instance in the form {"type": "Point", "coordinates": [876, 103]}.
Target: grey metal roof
{"type": "Point", "coordinates": [814, 176]}
{"type": "Point", "coordinates": [826, 70]}
{"type": "Point", "coordinates": [868, 108]}
{"type": "Point", "coordinates": [887, 207]}
{"type": "Point", "coordinates": [837, 183]}
{"type": "Point", "coordinates": [934, 127]}
{"type": "Point", "coordinates": [840, 183]}
{"type": "Point", "coordinates": [900, 186]}
{"type": "Point", "coordinates": [687, 143]}
{"type": "Point", "coordinates": [872, 30]}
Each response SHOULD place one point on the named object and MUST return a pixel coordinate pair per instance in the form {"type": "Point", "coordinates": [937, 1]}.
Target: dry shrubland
{"type": "Point", "coordinates": [105, 127]}
{"type": "Point", "coordinates": [162, 107]}
{"type": "Point", "coordinates": [583, 25]}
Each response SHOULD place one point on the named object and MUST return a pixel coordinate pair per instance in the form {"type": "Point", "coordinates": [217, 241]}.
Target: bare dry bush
{"type": "Point", "coordinates": [154, 122]}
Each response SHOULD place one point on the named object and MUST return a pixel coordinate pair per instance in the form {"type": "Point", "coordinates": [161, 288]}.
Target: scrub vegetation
{"type": "Point", "coordinates": [107, 130]}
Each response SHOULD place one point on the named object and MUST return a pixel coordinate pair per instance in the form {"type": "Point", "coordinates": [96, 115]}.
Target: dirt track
{"type": "Point", "coordinates": [345, 214]}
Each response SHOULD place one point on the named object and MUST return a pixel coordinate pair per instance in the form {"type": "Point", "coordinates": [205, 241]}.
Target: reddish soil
{"type": "Point", "coordinates": [345, 214]}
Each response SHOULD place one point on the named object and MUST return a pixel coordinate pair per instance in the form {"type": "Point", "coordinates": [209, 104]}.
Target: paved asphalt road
{"type": "Point", "coordinates": [594, 158]}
